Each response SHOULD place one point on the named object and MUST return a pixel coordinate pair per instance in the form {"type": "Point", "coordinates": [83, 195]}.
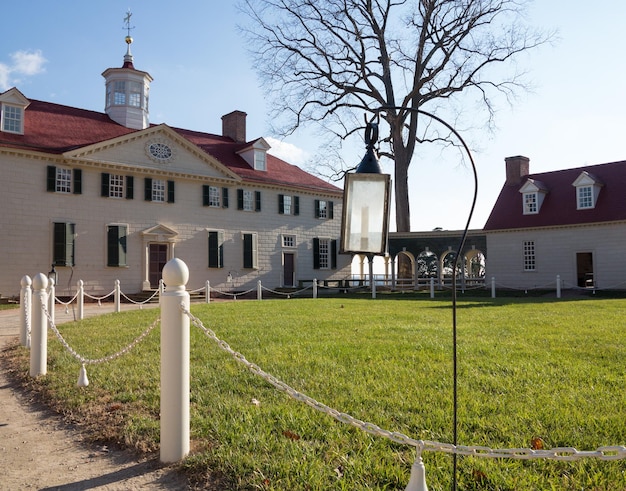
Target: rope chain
{"type": "Point", "coordinates": [615, 452]}
{"type": "Point", "coordinates": [94, 361]}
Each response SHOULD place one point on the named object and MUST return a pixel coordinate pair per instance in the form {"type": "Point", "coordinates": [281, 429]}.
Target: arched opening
{"type": "Point", "coordinates": [427, 268]}
{"type": "Point", "coordinates": [405, 263]}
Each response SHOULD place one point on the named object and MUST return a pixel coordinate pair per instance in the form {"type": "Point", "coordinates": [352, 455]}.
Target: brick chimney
{"type": "Point", "coordinates": [234, 126]}
{"type": "Point", "coordinates": [516, 169]}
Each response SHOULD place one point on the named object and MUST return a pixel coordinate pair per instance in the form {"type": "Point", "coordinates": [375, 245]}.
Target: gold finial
{"type": "Point", "coordinates": [128, 28]}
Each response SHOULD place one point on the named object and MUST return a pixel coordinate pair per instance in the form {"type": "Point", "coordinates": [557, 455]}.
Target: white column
{"type": "Point", "coordinates": [39, 335]}
{"type": "Point", "coordinates": [259, 290]}
{"type": "Point", "coordinates": [207, 292]}
{"type": "Point", "coordinates": [117, 296]}
{"type": "Point", "coordinates": [493, 287]}
{"type": "Point", "coordinates": [81, 300]}
{"type": "Point", "coordinates": [174, 363]}
{"type": "Point", "coordinates": [558, 286]}
{"type": "Point", "coordinates": [51, 300]}
{"type": "Point", "coordinates": [26, 298]}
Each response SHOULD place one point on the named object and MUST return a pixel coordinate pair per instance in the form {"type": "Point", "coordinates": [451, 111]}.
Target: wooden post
{"type": "Point", "coordinates": [39, 335]}
{"type": "Point", "coordinates": [81, 300]}
{"type": "Point", "coordinates": [174, 363]}
{"type": "Point", "coordinates": [26, 298]}
{"type": "Point", "coordinates": [118, 307]}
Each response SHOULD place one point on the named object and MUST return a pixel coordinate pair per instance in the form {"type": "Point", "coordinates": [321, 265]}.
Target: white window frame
{"type": "Point", "coordinates": [531, 203]}
{"type": "Point", "coordinates": [116, 185]}
{"type": "Point", "coordinates": [159, 190]}
{"type": "Point", "coordinates": [530, 255]}
{"type": "Point", "coordinates": [63, 181]}
{"type": "Point", "coordinates": [12, 119]}
{"type": "Point", "coordinates": [585, 197]}
{"type": "Point", "coordinates": [324, 253]}
{"type": "Point", "coordinates": [248, 200]}
{"type": "Point", "coordinates": [215, 196]}
{"type": "Point", "coordinates": [323, 209]}
{"type": "Point", "coordinates": [289, 241]}
{"type": "Point", "coordinates": [260, 160]}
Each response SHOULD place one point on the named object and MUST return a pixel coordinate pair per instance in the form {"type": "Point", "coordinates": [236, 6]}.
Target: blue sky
{"type": "Point", "coordinates": [56, 51]}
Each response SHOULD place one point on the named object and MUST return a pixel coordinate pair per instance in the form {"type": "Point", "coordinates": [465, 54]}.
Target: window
{"type": "Point", "coordinates": [324, 253]}
{"type": "Point", "coordinates": [288, 205]}
{"type": "Point", "coordinates": [216, 249]}
{"type": "Point", "coordinates": [323, 209]}
{"type": "Point", "coordinates": [64, 235]}
{"type": "Point", "coordinates": [119, 93]}
{"type": "Point", "coordinates": [530, 203]}
{"type": "Point", "coordinates": [134, 96]}
{"type": "Point", "coordinates": [159, 190]}
{"type": "Point", "coordinates": [584, 196]}
{"type": "Point", "coordinates": [289, 241]}
{"type": "Point", "coordinates": [248, 200]}
{"type": "Point", "coordinates": [250, 251]}
{"type": "Point", "coordinates": [211, 196]}
{"type": "Point", "coordinates": [12, 119]}
{"type": "Point", "coordinates": [116, 245]}
{"type": "Point", "coordinates": [116, 186]}
{"type": "Point", "coordinates": [64, 180]}
{"type": "Point", "coordinates": [260, 160]}
{"type": "Point", "coordinates": [529, 255]}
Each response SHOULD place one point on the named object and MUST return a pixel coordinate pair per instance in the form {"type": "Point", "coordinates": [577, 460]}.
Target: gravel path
{"type": "Point", "coordinates": [38, 451]}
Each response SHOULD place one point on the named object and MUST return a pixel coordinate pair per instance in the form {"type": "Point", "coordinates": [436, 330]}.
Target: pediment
{"type": "Point", "coordinates": [14, 96]}
{"type": "Point", "coordinates": [533, 186]}
{"type": "Point", "coordinates": [158, 148]}
{"type": "Point", "coordinates": [160, 231]}
{"type": "Point", "coordinates": [586, 179]}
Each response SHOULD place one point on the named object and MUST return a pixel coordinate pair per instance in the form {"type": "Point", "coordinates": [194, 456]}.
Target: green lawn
{"type": "Point", "coordinates": [528, 369]}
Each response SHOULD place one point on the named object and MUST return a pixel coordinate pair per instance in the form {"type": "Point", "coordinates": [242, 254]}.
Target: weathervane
{"type": "Point", "coordinates": [128, 28]}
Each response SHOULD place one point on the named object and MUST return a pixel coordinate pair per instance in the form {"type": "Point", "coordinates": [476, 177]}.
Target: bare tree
{"type": "Point", "coordinates": [331, 61]}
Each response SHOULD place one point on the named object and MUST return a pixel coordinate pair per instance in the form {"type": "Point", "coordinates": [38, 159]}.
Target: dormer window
{"type": "Point", "coordinates": [12, 107]}
{"type": "Point", "coordinates": [587, 191]}
{"type": "Point", "coordinates": [533, 193]}
{"type": "Point", "coordinates": [260, 160]}
{"type": "Point", "coordinates": [256, 154]}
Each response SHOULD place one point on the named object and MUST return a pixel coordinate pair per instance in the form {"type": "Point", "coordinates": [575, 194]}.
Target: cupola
{"type": "Point", "coordinates": [127, 91]}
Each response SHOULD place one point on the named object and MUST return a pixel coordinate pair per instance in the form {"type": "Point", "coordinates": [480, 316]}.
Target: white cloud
{"type": "Point", "coordinates": [23, 63]}
{"type": "Point", "coordinates": [287, 151]}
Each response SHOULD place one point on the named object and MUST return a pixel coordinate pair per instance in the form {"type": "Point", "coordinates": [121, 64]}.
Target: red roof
{"type": "Point", "coordinates": [559, 204]}
{"type": "Point", "coordinates": [54, 128]}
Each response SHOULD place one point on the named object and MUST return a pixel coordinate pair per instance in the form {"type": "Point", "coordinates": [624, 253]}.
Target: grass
{"type": "Point", "coordinates": [529, 369]}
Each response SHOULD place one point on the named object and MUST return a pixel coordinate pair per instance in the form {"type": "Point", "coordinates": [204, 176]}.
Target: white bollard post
{"type": "Point", "coordinates": [39, 335]}
{"type": "Point", "coordinates": [26, 297]}
{"type": "Point", "coordinates": [174, 363]}
{"type": "Point", "coordinates": [417, 481]}
{"type": "Point", "coordinates": [259, 290]}
{"type": "Point", "coordinates": [207, 292]}
{"type": "Point", "coordinates": [432, 288]}
{"type": "Point", "coordinates": [558, 286]}
{"type": "Point", "coordinates": [81, 300]}
{"type": "Point", "coordinates": [51, 300]}
{"type": "Point", "coordinates": [493, 287]}
{"type": "Point", "coordinates": [314, 288]}
{"type": "Point", "coordinates": [117, 294]}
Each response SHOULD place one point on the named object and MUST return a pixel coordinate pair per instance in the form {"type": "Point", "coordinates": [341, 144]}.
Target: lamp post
{"type": "Point", "coordinates": [365, 217]}
{"type": "Point", "coordinates": [53, 275]}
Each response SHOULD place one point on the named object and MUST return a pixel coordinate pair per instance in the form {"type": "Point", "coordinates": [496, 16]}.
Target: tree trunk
{"type": "Point", "coordinates": [401, 187]}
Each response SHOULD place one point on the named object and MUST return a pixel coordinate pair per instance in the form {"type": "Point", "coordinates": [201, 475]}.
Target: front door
{"type": "Point", "coordinates": [584, 269]}
{"type": "Point", "coordinates": [156, 260]}
{"type": "Point", "coordinates": [289, 268]}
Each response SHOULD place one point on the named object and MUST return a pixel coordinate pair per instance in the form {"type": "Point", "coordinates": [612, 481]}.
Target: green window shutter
{"type": "Point", "coordinates": [296, 205]}
{"type": "Point", "coordinates": [333, 254]}
{"type": "Point", "coordinates": [240, 199]}
{"type": "Point", "coordinates": [51, 182]}
{"type": "Point", "coordinates": [116, 245]}
{"type": "Point", "coordinates": [224, 197]}
{"type": "Point", "coordinates": [317, 208]}
{"type": "Point", "coordinates": [130, 187]}
{"type": "Point", "coordinates": [247, 250]}
{"type": "Point", "coordinates": [148, 189]}
{"type": "Point", "coordinates": [281, 204]}
{"type": "Point", "coordinates": [316, 253]}
{"type": "Point", "coordinates": [170, 191]}
{"type": "Point", "coordinates": [329, 213]}
{"type": "Point", "coordinates": [104, 185]}
{"type": "Point", "coordinates": [216, 249]}
{"type": "Point", "coordinates": [63, 244]}
{"type": "Point", "coordinates": [78, 181]}
{"type": "Point", "coordinates": [205, 195]}
{"type": "Point", "coordinates": [257, 201]}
